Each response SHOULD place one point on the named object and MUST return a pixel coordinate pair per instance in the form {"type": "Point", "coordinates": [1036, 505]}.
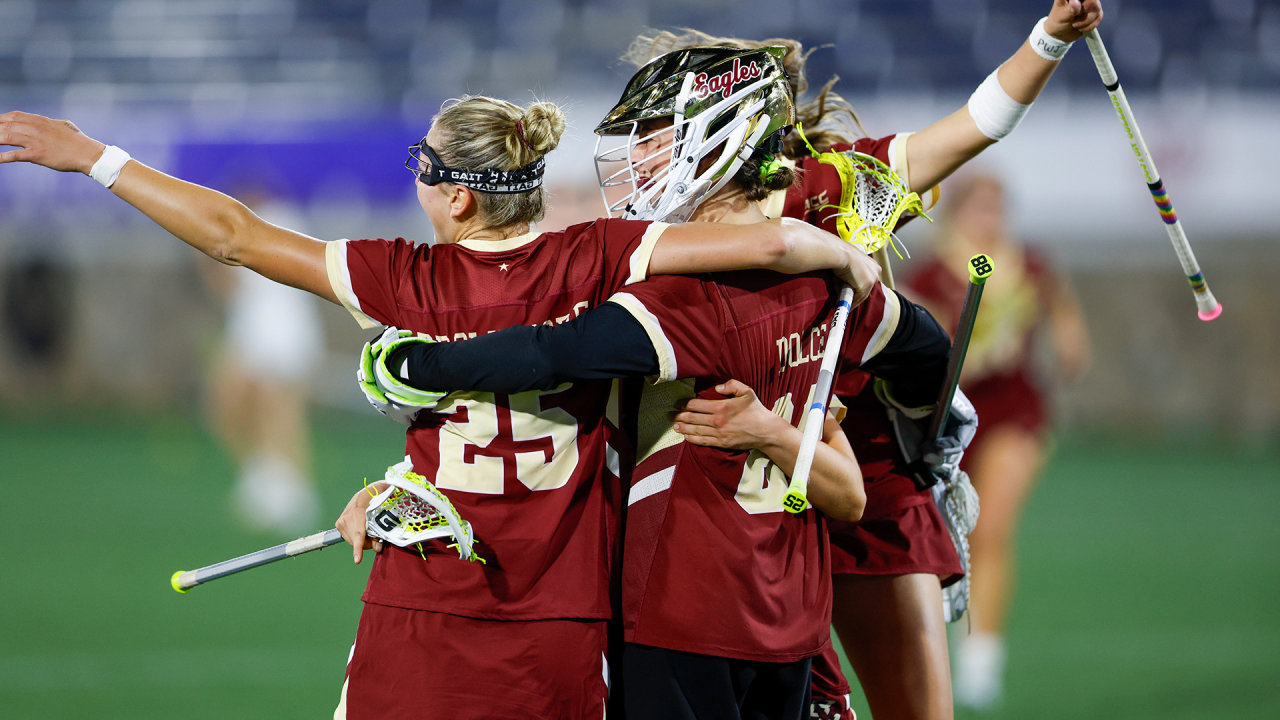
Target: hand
{"type": "Point", "coordinates": [1071, 19]}
{"type": "Point", "coordinates": [384, 391]}
{"type": "Point", "coordinates": [352, 523]}
{"type": "Point", "coordinates": [55, 144]}
{"type": "Point", "coordinates": [738, 422]}
{"type": "Point", "coordinates": [862, 273]}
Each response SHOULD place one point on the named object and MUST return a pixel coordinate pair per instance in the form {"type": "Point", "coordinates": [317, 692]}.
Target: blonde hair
{"type": "Point", "coordinates": [828, 118]}
{"type": "Point", "coordinates": [482, 132]}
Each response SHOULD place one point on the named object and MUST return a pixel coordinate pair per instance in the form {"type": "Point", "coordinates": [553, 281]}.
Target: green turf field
{"type": "Point", "coordinates": [1151, 581]}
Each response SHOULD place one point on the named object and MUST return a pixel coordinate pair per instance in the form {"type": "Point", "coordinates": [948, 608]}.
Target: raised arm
{"type": "Point", "coordinates": [215, 224]}
{"type": "Point", "coordinates": [940, 149]}
{"type": "Point", "coordinates": [784, 245]}
{"type": "Point", "coordinates": [741, 422]}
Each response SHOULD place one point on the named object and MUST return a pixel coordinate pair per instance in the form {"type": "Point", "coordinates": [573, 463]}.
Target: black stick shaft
{"type": "Point", "coordinates": [960, 345]}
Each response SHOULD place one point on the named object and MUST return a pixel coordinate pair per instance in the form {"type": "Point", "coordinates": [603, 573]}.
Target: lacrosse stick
{"type": "Point", "coordinates": [408, 512]}
{"type": "Point", "coordinates": [872, 199]}
{"type": "Point", "coordinates": [1207, 306]}
{"type": "Point", "coordinates": [954, 496]}
{"type": "Point", "coordinates": [979, 270]}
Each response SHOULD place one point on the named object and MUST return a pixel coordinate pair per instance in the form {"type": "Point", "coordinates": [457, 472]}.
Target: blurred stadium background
{"type": "Point", "coordinates": [1150, 555]}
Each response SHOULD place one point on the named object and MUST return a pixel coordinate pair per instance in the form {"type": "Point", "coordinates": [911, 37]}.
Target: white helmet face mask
{"type": "Point", "coordinates": [666, 185]}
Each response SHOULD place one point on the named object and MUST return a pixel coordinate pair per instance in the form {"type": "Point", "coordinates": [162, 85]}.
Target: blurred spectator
{"type": "Point", "coordinates": [257, 387]}
{"type": "Point", "coordinates": [1023, 296]}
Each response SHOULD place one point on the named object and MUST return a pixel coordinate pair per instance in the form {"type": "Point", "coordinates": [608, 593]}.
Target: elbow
{"type": "Point", "coordinates": [231, 231]}
{"type": "Point", "coordinates": [852, 501]}
{"type": "Point", "coordinates": [854, 505]}
{"type": "Point", "coordinates": [859, 505]}
{"type": "Point", "coordinates": [781, 243]}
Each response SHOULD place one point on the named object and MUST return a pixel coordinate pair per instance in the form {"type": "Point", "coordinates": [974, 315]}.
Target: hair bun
{"type": "Point", "coordinates": [543, 124]}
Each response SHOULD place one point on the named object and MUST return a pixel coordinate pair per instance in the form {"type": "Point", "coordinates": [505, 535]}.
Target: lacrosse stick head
{"type": "Point", "coordinates": [872, 200]}
{"type": "Point", "coordinates": [412, 510]}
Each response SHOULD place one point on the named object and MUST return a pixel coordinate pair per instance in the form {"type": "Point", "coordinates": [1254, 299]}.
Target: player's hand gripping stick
{"type": "Point", "coordinates": [980, 269]}
{"type": "Point", "coordinates": [1207, 306]}
{"type": "Point", "coordinates": [409, 511]}
{"type": "Point", "coordinates": [797, 498]}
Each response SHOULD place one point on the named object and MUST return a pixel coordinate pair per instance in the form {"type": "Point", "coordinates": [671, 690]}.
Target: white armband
{"type": "Point", "coordinates": [993, 111]}
{"type": "Point", "coordinates": [108, 167]}
{"type": "Point", "coordinates": [1046, 45]}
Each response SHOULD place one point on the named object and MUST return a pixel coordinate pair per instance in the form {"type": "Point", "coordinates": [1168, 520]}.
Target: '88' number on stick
{"type": "Point", "coordinates": [979, 269]}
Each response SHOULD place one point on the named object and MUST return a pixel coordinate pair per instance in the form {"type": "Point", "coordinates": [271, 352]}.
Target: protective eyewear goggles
{"type": "Point", "coordinates": [426, 166]}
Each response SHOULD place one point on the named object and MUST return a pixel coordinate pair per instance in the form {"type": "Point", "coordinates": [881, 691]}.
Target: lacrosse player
{"type": "Point", "coordinates": [521, 633]}
{"type": "Point", "coordinates": [726, 597]}
{"type": "Point", "coordinates": [1008, 450]}
{"type": "Point", "coordinates": [892, 566]}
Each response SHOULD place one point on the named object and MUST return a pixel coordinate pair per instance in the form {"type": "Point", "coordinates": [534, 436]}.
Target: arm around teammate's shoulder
{"type": "Point", "coordinates": [602, 343]}
{"type": "Point", "coordinates": [784, 245]}
{"type": "Point", "coordinates": [215, 224]}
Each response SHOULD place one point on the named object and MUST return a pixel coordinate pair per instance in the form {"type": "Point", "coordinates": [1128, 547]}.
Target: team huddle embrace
{"type": "Point", "coordinates": [609, 418]}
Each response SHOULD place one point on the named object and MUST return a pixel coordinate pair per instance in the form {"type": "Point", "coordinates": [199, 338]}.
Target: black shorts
{"type": "Point", "coordinates": [669, 684]}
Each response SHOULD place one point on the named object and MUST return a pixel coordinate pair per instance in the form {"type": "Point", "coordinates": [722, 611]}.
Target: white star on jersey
{"type": "Point", "coordinates": [503, 267]}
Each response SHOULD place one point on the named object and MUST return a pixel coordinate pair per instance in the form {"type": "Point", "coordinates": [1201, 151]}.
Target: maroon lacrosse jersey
{"type": "Point", "coordinates": [713, 564]}
{"type": "Point", "coordinates": [889, 489]}
{"type": "Point", "coordinates": [525, 470]}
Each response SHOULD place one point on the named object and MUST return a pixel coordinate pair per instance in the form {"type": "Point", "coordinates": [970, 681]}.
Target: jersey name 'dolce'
{"type": "Point", "coordinates": [712, 562]}
{"type": "Point", "coordinates": [866, 424]}
{"type": "Point", "coordinates": [526, 470]}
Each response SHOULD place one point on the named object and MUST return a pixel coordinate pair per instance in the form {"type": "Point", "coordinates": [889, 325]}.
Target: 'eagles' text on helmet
{"type": "Point", "coordinates": [723, 105]}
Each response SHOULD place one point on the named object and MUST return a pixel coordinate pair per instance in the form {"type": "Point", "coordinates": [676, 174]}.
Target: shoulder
{"type": "Point", "coordinates": [877, 148]}
{"type": "Point", "coordinates": [349, 254]}
{"type": "Point", "coordinates": [680, 289]}
{"type": "Point", "coordinates": [601, 227]}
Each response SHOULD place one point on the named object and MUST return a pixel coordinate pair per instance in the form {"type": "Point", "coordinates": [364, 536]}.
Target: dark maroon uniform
{"type": "Point", "coordinates": [526, 470]}
{"type": "Point", "coordinates": [901, 531]}
{"type": "Point", "coordinates": [713, 564]}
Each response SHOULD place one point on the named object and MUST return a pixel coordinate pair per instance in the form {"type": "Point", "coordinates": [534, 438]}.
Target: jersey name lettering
{"type": "Point", "coordinates": [796, 349]}
{"type": "Point", "coordinates": [578, 309]}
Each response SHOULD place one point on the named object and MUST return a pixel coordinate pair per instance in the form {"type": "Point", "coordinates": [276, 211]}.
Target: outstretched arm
{"type": "Point", "coordinates": [215, 224]}
{"type": "Point", "coordinates": [741, 422]}
{"type": "Point", "coordinates": [940, 149]}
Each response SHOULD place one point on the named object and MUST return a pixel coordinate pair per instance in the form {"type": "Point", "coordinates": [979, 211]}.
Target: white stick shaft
{"type": "Point", "coordinates": [191, 578]}
{"type": "Point", "coordinates": [1206, 304]}
{"type": "Point", "coordinates": [816, 414]}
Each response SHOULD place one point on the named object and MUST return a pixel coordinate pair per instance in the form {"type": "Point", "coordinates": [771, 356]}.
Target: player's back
{"type": "Point", "coordinates": [713, 563]}
{"type": "Point", "coordinates": [524, 469]}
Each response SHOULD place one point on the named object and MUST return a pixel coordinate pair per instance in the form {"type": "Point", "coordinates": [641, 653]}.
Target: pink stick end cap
{"type": "Point", "coordinates": [1207, 316]}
